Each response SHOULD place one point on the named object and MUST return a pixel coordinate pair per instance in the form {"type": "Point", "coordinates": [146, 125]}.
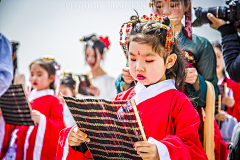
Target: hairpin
{"type": "Point", "coordinates": [105, 41]}
{"type": "Point", "coordinates": [158, 19]}
{"type": "Point", "coordinates": [47, 57]}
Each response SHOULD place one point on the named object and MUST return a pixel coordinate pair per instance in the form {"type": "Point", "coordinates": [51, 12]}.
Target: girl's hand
{"type": "Point", "coordinates": [191, 75]}
{"type": "Point", "coordinates": [228, 101]}
{"type": "Point", "coordinates": [76, 137]}
{"type": "Point", "coordinates": [147, 150]}
{"type": "Point", "coordinates": [35, 115]}
{"type": "Point", "coordinates": [94, 91]}
{"type": "Point", "coordinates": [128, 79]}
{"type": "Point", "coordinates": [221, 116]}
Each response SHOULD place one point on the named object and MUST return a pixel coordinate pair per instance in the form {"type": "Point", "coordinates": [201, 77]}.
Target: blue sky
{"type": "Point", "coordinates": [54, 27]}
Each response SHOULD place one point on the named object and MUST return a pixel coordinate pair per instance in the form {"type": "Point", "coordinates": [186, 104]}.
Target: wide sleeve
{"type": "Point", "coordinates": [48, 129]}
{"type": "Point", "coordinates": [65, 151]}
{"type": "Point", "coordinates": [184, 141]}
{"type": "Point", "coordinates": [6, 65]}
{"type": "Point", "coordinates": [206, 68]}
{"type": "Point", "coordinates": [235, 110]}
{"type": "Point", "coordinates": [231, 50]}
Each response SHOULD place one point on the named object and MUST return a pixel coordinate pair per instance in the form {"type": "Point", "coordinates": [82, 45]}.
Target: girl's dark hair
{"type": "Point", "coordinates": [95, 43]}
{"type": "Point", "coordinates": [68, 81]}
{"type": "Point", "coordinates": [145, 33]}
{"type": "Point", "coordinates": [49, 65]}
{"type": "Point", "coordinates": [217, 45]}
{"type": "Point", "coordinates": [15, 66]}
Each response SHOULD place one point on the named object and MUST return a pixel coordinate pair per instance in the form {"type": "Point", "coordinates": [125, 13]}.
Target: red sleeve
{"type": "Point", "coordinates": [235, 110]}
{"type": "Point", "coordinates": [54, 124]}
{"type": "Point", "coordinates": [184, 142]}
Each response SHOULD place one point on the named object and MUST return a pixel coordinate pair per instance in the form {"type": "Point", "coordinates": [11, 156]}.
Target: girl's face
{"type": "Point", "coordinates": [146, 66]}
{"type": "Point", "coordinates": [66, 91]}
{"type": "Point", "coordinates": [39, 77]}
{"type": "Point", "coordinates": [220, 61]}
{"type": "Point", "coordinates": [90, 58]}
{"type": "Point", "coordinates": [174, 9]}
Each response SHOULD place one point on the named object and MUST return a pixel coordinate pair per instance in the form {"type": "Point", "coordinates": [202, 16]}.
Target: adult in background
{"type": "Point", "coordinates": [230, 44]}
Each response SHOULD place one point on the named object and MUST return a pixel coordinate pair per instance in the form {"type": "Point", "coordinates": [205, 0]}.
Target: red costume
{"type": "Point", "coordinates": [233, 89]}
{"type": "Point", "coordinates": [168, 118]}
{"type": "Point", "coordinates": [40, 141]}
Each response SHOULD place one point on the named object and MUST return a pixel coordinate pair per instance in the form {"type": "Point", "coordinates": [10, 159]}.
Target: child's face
{"type": "Point", "coordinates": [39, 77]}
{"type": "Point", "coordinates": [146, 66]}
{"type": "Point", "coordinates": [66, 91]}
{"type": "Point", "coordinates": [90, 57]}
{"type": "Point", "coordinates": [220, 62]}
{"type": "Point", "coordinates": [171, 8]}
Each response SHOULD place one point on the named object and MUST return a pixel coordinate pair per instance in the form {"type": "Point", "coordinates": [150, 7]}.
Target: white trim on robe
{"type": "Point", "coordinates": [66, 146]}
{"type": "Point", "coordinates": [36, 94]}
{"type": "Point", "coordinates": [143, 93]}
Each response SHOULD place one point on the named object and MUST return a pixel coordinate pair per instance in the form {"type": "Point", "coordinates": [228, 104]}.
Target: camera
{"type": "Point", "coordinates": [230, 13]}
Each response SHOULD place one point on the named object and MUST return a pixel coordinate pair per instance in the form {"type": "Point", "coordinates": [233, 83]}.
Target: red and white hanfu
{"type": "Point", "coordinates": [38, 142]}
{"type": "Point", "coordinates": [168, 118]}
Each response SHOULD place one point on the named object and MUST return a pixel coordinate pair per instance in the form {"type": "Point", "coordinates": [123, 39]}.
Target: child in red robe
{"type": "Point", "coordinates": [170, 121]}
{"type": "Point", "coordinates": [39, 141]}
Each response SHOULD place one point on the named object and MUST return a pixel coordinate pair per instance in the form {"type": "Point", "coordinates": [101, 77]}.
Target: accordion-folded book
{"type": "Point", "coordinates": [112, 126]}
{"type": "Point", "coordinates": [15, 106]}
{"type": "Point", "coordinates": [84, 84]}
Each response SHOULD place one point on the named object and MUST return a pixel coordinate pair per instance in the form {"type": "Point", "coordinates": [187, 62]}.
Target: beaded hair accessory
{"type": "Point", "coordinates": [90, 40]}
{"type": "Point", "coordinates": [158, 24]}
{"type": "Point", "coordinates": [57, 66]}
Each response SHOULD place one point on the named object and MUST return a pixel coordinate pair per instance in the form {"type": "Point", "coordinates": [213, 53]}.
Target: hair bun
{"type": "Point", "coordinates": [166, 21]}
{"type": "Point", "coordinates": [88, 38]}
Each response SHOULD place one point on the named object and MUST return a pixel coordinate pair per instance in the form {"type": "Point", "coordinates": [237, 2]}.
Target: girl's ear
{"type": "Point", "coordinates": [102, 56]}
{"type": "Point", "coordinates": [51, 78]}
{"type": "Point", "coordinates": [171, 59]}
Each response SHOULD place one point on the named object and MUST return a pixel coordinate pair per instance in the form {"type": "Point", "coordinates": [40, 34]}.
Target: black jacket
{"type": "Point", "coordinates": [231, 50]}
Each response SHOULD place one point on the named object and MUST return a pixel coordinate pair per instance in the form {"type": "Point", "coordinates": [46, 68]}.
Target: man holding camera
{"type": "Point", "coordinates": [231, 45]}
{"type": "Point", "coordinates": [231, 53]}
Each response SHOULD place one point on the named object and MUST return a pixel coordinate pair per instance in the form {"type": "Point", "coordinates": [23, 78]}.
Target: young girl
{"type": "Point", "coordinates": [197, 50]}
{"type": "Point", "coordinates": [103, 85]}
{"type": "Point", "coordinates": [67, 88]}
{"type": "Point", "coordinates": [230, 108]}
{"type": "Point", "coordinates": [39, 141]}
{"type": "Point", "coordinates": [168, 117]}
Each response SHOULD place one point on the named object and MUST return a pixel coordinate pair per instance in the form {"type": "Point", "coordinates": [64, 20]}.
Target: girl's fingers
{"type": "Point", "coordinates": [80, 137]}
{"type": "Point", "coordinates": [71, 143]}
{"type": "Point", "coordinates": [126, 69]}
{"type": "Point", "coordinates": [126, 74]}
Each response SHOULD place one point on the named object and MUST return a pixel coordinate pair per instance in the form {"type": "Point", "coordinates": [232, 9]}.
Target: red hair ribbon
{"type": "Point", "coordinates": [105, 41]}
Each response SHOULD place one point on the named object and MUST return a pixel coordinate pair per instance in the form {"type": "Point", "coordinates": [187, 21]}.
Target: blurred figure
{"type": "Point", "coordinates": [39, 141]}
{"type": "Point", "coordinates": [230, 107]}
{"type": "Point", "coordinates": [102, 84]}
{"type": "Point", "coordinates": [6, 65]}
{"type": "Point", "coordinates": [231, 45]}
{"type": "Point", "coordinates": [67, 88]}
{"type": "Point", "coordinates": [17, 78]}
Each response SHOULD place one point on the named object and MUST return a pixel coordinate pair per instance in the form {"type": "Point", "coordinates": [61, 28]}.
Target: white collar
{"type": "Point", "coordinates": [143, 93]}
{"type": "Point", "coordinates": [36, 94]}
{"type": "Point", "coordinates": [221, 81]}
